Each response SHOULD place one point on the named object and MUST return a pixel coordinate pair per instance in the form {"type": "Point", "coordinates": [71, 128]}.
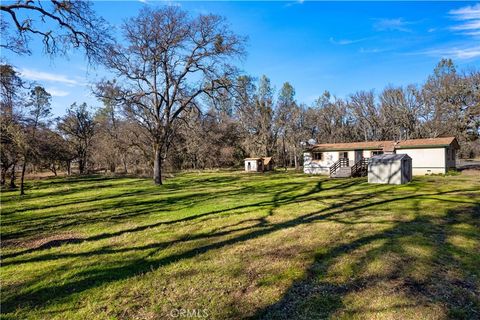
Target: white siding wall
{"type": "Point", "coordinates": [389, 172]}
{"type": "Point", "coordinates": [316, 166]}
{"type": "Point", "coordinates": [394, 172]}
{"type": "Point", "coordinates": [253, 165]}
{"type": "Point", "coordinates": [426, 161]}
{"type": "Point", "coordinates": [351, 157]}
{"type": "Point", "coordinates": [367, 153]}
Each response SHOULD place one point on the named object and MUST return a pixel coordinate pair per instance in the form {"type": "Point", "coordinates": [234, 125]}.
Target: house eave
{"type": "Point", "coordinates": [423, 147]}
{"type": "Point", "coordinates": [377, 148]}
{"type": "Point", "coordinates": [341, 149]}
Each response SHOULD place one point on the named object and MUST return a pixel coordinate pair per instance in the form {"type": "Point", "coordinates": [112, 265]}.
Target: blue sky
{"type": "Point", "coordinates": [316, 46]}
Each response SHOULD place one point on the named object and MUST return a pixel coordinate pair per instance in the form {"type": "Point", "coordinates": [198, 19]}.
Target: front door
{"type": "Point", "coordinates": [358, 155]}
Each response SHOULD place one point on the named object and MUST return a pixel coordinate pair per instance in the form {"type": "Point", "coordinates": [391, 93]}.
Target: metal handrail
{"type": "Point", "coordinates": [360, 168]}
{"type": "Point", "coordinates": [342, 162]}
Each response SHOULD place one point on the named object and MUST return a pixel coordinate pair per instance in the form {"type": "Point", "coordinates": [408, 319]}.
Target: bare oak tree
{"type": "Point", "coordinates": [60, 24]}
{"type": "Point", "coordinates": [170, 60]}
{"type": "Point", "coordinates": [78, 126]}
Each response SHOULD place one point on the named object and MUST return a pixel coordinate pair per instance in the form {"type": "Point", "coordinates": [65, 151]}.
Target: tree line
{"type": "Point", "coordinates": [176, 101]}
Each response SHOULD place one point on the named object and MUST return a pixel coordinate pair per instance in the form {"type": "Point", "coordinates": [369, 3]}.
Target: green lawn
{"type": "Point", "coordinates": [236, 245]}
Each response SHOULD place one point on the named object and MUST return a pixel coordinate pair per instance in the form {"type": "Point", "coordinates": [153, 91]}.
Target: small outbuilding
{"type": "Point", "coordinates": [390, 169]}
{"type": "Point", "coordinates": [258, 164]}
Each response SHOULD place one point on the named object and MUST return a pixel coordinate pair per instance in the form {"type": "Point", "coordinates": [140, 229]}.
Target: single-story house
{"type": "Point", "coordinates": [432, 155]}
{"type": "Point", "coordinates": [258, 164]}
{"type": "Point", "coordinates": [390, 169]}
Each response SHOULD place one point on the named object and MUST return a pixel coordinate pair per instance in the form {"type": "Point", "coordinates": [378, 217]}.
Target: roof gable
{"type": "Point", "coordinates": [267, 160]}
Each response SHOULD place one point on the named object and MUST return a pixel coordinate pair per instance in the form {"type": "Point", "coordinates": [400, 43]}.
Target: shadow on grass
{"type": "Point", "coordinates": [292, 304]}
{"type": "Point", "coordinates": [88, 182]}
{"type": "Point", "coordinates": [149, 206]}
{"type": "Point", "coordinates": [131, 268]}
{"type": "Point", "coordinates": [449, 282]}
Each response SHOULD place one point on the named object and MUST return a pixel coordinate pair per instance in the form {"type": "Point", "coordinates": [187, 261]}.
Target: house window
{"type": "Point", "coordinates": [318, 156]}
{"type": "Point", "coordinates": [453, 154]}
{"type": "Point", "coordinates": [376, 153]}
{"type": "Point", "coordinates": [343, 155]}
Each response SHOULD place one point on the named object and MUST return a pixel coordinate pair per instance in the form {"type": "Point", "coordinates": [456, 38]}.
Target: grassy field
{"type": "Point", "coordinates": [233, 245]}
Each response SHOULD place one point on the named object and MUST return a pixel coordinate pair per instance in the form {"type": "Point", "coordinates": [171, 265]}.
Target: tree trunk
{"type": "Point", "coordinates": [4, 174]}
{"type": "Point", "coordinates": [22, 178]}
{"type": "Point", "coordinates": [112, 167]}
{"type": "Point", "coordinates": [295, 158]}
{"type": "Point", "coordinates": [69, 167]}
{"type": "Point", "coordinates": [157, 167]}
{"type": "Point", "coordinates": [125, 165]}
{"type": "Point", "coordinates": [12, 176]}
{"type": "Point", "coordinates": [81, 166]}
{"type": "Point", "coordinates": [53, 169]}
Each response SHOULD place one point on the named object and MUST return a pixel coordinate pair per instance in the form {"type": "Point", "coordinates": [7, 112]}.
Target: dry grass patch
{"type": "Point", "coordinates": [273, 246]}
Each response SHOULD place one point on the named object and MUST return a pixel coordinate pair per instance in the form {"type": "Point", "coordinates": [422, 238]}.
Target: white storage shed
{"type": "Point", "coordinates": [390, 169]}
{"type": "Point", "coordinates": [259, 164]}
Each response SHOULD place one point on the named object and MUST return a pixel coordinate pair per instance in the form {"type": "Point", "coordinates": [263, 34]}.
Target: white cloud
{"type": "Point", "coordinates": [467, 24]}
{"type": "Point", "coordinates": [464, 53]}
{"type": "Point", "coordinates": [466, 13]}
{"type": "Point", "coordinates": [57, 92]}
{"type": "Point", "coordinates": [372, 50]}
{"type": "Point", "coordinates": [470, 28]}
{"type": "Point", "coordinates": [143, 1]}
{"type": "Point", "coordinates": [469, 20]}
{"type": "Point", "coordinates": [344, 42]}
{"type": "Point", "coordinates": [46, 76]}
{"type": "Point", "coordinates": [289, 4]}
{"type": "Point", "coordinates": [397, 24]}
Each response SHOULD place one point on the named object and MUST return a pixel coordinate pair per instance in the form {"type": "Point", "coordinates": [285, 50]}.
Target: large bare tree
{"type": "Point", "coordinates": [400, 110]}
{"type": "Point", "coordinates": [365, 111]}
{"type": "Point", "coordinates": [60, 24]}
{"type": "Point", "coordinates": [169, 61]}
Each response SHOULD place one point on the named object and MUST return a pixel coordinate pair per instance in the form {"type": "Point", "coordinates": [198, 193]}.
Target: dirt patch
{"type": "Point", "coordinates": [43, 241]}
{"type": "Point", "coordinates": [471, 172]}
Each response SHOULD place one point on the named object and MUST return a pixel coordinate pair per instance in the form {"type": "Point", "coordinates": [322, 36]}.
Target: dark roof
{"type": "Point", "coordinates": [389, 157]}
{"type": "Point", "coordinates": [266, 160]}
{"type": "Point", "coordinates": [388, 145]}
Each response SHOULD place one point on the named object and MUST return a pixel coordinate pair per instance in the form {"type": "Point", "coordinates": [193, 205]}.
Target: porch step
{"type": "Point", "coordinates": [343, 172]}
